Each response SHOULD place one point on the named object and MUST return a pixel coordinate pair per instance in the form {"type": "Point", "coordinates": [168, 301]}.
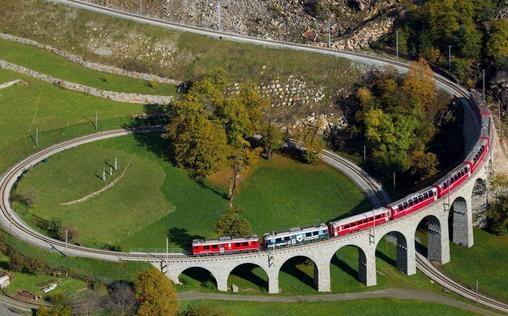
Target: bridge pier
{"type": "Point", "coordinates": [462, 233]}
{"type": "Point", "coordinates": [406, 261]}
{"type": "Point", "coordinates": [322, 276]}
{"type": "Point", "coordinates": [367, 266]}
{"type": "Point", "coordinates": [273, 281]}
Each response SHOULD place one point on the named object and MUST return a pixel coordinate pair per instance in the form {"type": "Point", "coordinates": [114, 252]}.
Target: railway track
{"type": "Point", "coordinates": [10, 219]}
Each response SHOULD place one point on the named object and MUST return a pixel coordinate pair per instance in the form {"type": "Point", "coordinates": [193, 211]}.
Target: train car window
{"type": "Point", "coordinates": [315, 233]}
{"type": "Point", "coordinates": [425, 195]}
{"type": "Point", "coordinates": [237, 244]}
{"type": "Point", "coordinates": [215, 246]}
{"type": "Point", "coordinates": [206, 247]}
{"type": "Point", "coordinates": [410, 203]}
{"type": "Point", "coordinates": [420, 199]}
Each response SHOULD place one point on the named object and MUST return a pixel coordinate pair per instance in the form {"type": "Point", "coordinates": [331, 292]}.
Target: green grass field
{"type": "Point", "coordinates": [51, 64]}
{"type": "Point", "coordinates": [359, 307]}
{"type": "Point", "coordinates": [486, 261]}
{"type": "Point", "coordinates": [58, 115]}
{"type": "Point", "coordinates": [155, 200]}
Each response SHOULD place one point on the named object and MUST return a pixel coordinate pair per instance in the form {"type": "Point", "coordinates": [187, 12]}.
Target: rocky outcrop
{"type": "Point", "coordinates": [353, 23]}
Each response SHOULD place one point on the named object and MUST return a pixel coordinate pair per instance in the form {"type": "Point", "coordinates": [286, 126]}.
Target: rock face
{"type": "Point", "coordinates": [353, 23]}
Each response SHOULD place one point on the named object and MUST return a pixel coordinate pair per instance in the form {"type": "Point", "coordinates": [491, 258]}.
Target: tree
{"type": "Point", "coordinates": [155, 294]}
{"type": "Point", "coordinates": [121, 300]}
{"type": "Point", "coordinates": [231, 224]}
{"type": "Point", "coordinates": [271, 139]}
{"type": "Point", "coordinates": [497, 211]}
{"type": "Point", "coordinates": [419, 84]}
{"type": "Point", "coordinates": [311, 141]}
{"type": "Point", "coordinates": [198, 143]}
{"type": "Point", "coordinates": [239, 159]}
{"type": "Point", "coordinates": [497, 45]}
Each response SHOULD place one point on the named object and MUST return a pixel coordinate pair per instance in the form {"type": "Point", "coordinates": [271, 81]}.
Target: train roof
{"type": "Point", "coordinates": [355, 218]}
{"type": "Point", "coordinates": [410, 196]}
{"type": "Point", "coordinates": [472, 153]}
{"type": "Point", "coordinates": [224, 240]}
{"type": "Point", "coordinates": [449, 174]}
{"type": "Point", "coordinates": [295, 230]}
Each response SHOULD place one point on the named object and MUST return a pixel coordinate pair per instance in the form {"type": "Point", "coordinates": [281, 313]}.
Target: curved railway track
{"type": "Point", "coordinates": [7, 180]}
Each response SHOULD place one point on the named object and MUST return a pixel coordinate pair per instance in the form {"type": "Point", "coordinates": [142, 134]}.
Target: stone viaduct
{"type": "Point", "coordinates": [454, 210]}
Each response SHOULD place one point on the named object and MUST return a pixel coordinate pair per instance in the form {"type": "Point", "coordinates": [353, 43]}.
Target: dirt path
{"type": "Point", "coordinates": [388, 293]}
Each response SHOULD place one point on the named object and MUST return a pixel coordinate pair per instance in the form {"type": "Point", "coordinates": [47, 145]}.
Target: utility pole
{"type": "Point", "coordinates": [450, 58]}
{"type": "Point", "coordinates": [394, 179]}
{"type": "Point", "coordinates": [96, 120]}
{"type": "Point", "coordinates": [140, 7]}
{"type": "Point", "coordinates": [476, 291]}
{"type": "Point", "coordinates": [116, 163]}
{"type": "Point", "coordinates": [218, 15]}
{"type": "Point", "coordinates": [167, 250]}
{"type": "Point", "coordinates": [66, 241]}
{"type": "Point", "coordinates": [329, 33]}
{"type": "Point", "coordinates": [364, 155]}
{"type": "Point", "coordinates": [397, 43]}
{"type": "Point", "coordinates": [37, 137]}
{"type": "Point", "coordinates": [483, 76]}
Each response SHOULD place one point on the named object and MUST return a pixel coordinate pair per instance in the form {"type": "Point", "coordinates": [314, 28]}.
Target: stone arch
{"type": "Point", "coordinates": [346, 262]}
{"type": "Point", "coordinates": [202, 276]}
{"type": "Point", "coordinates": [434, 247]}
{"type": "Point", "coordinates": [251, 273]}
{"type": "Point", "coordinates": [479, 203]}
{"type": "Point", "coordinates": [302, 268]}
{"type": "Point", "coordinates": [404, 253]}
{"type": "Point", "coordinates": [459, 222]}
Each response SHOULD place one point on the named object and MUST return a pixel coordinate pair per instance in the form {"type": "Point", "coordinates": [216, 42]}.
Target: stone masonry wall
{"type": "Point", "coordinates": [95, 66]}
{"type": "Point", "coordinates": [111, 95]}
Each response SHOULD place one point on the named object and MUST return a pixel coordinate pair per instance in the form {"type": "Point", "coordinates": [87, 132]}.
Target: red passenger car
{"type": "Point", "coordinates": [358, 222]}
{"type": "Point", "coordinates": [413, 202]}
{"type": "Point", "coordinates": [225, 245]}
{"type": "Point", "coordinates": [453, 179]}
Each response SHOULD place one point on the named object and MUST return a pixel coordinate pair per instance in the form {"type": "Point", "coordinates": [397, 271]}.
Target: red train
{"type": "Point", "coordinates": [225, 245]}
{"type": "Point", "coordinates": [392, 211]}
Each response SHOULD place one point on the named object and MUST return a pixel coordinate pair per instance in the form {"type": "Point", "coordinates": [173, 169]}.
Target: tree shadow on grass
{"type": "Point", "coordinates": [223, 195]}
{"type": "Point", "coordinates": [290, 267]}
{"type": "Point", "coordinates": [155, 115]}
{"type": "Point", "coordinates": [245, 271]}
{"type": "Point", "coordinates": [344, 267]}
{"type": "Point", "coordinates": [181, 237]}
{"type": "Point", "coordinates": [381, 255]}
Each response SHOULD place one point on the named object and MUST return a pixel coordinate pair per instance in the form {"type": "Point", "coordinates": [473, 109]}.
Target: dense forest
{"type": "Point", "coordinates": [462, 36]}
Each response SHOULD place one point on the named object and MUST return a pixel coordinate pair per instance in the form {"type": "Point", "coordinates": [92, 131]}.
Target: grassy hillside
{"type": "Point", "coordinates": [51, 64]}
